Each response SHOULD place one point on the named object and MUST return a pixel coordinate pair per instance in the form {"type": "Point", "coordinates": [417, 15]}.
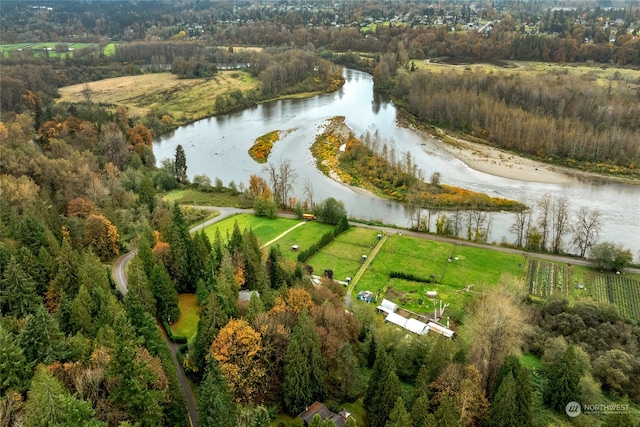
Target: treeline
{"type": "Point", "coordinates": [553, 114]}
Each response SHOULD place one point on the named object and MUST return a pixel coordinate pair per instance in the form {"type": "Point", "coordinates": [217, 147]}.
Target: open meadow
{"type": "Point", "coordinates": [186, 100]}
{"type": "Point", "coordinates": [50, 49]}
{"type": "Point", "coordinates": [601, 75]}
{"type": "Point", "coordinates": [344, 255]}
{"type": "Point", "coordinates": [446, 268]}
{"type": "Point", "coordinates": [303, 236]}
{"type": "Point", "coordinates": [265, 229]}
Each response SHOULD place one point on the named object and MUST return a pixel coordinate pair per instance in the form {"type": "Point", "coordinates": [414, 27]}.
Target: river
{"type": "Point", "coordinates": [218, 147]}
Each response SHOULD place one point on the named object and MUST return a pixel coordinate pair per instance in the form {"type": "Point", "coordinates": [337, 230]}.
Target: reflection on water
{"type": "Point", "coordinates": [218, 148]}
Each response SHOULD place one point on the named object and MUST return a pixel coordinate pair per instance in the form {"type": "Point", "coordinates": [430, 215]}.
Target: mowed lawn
{"type": "Point", "coordinates": [187, 324]}
{"type": "Point", "coordinates": [344, 254]}
{"type": "Point", "coordinates": [303, 236]}
{"type": "Point", "coordinates": [265, 229]}
{"type": "Point", "coordinates": [430, 260]}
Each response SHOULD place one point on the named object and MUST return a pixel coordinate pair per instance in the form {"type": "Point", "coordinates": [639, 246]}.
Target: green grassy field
{"type": "Point", "coordinates": [430, 260]}
{"type": "Point", "coordinates": [38, 49]}
{"type": "Point", "coordinates": [187, 324]}
{"type": "Point", "coordinates": [303, 236]}
{"type": "Point", "coordinates": [344, 254]}
{"type": "Point", "coordinates": [265, 229]}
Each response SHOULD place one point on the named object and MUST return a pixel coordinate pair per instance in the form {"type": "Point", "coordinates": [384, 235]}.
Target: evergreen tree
{"type": "Point", "coordinates": [520, 374]}
{"type": "Point", "coordinates": [180, 165]}
{"type": "Point", "coordinates": [14, 369]}
{"type": "Point", "coordinates": [304, 367]}
{"type": "Point", "coordinates": [254, 273]}
{"type": "Point", "coordinates": [183, 254]}
{"type": "Point", "coordinates": [275, 271]}
{"type": "Point", "coordinates": [50, 404]}
{"type": "Point", "coordinates": [215, 401]}
{"type": "Point", "coordinates": [133, 377]}
{"type": "Point", "coordinates": [145, 252]}
{"type": "Point", "coordinates": [17, 291]}
{"type": "Point", "coordinates": [82, 311]}
{"type": "Point", "coordinates": [420, 411]}
{"type": "Point", "coordinates": [345, 373]}
{"type": "Point", "coordinates": [399, 416]}
{"type": "Point", "coordinates": [65, 284]}
{"type": "Point", "coordinates": [41, 338]}
{"type": "Point", "coordinates": [504, 409]}
{"type": "Point", "coordinates": [92, 273]}
{"type": "Point", "coordinates": [297, 388]}
{"type": "Point", "coordinates": [384, 387]}
{"type": "Point", "coordinates": [212, 318]}
{"type": "Point", "coordinates": [235, 241]}
{"type": "Point", "coordinates": [564, 381]}
{"type": "Point", "coordinates": [256, 306]}
{"type": "Point", "coordinates": [447, 414]}
{"type": "Point", "coordinates": [139, 286]}
{"type": "Point", "coordinates": [165, 294]}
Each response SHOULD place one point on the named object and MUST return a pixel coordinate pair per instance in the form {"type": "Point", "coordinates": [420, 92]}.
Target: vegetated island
{"type": "Point", "coordinates": [372, 164]}
{"type": "Point", "coordinates": [261, 149]}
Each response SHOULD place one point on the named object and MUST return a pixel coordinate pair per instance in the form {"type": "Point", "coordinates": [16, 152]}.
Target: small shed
{"type": "Point", "coordinates": [366, 296]}
{"type": "Point", "coordinates": [295, 248]}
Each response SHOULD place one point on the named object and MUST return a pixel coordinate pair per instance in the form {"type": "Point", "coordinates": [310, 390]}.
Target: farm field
{"type": "Point", "coordinates": [265, 229]}
{"type": "Point", "coordinates": [344, 254]}
{"type": "Point", "coordinates": [455, 271]}
{"type": "Point", "coordinates": [602, 76]}
{"type": "Point", "coordinates": [38, 49]}
{"type": "Point", "coordinates": [470, 268]}
{"type": "Point", "coordinates": [548, 279]}
{"type": "Point", "coordinates": [303, 236]}
{"type": "Point", "coordinates": [186, 100]}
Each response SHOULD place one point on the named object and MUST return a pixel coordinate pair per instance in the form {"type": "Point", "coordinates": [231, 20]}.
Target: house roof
{"type": "Point", "coordinates": [316, 408]}
{"type": "Point", "coordinates": [320, 408]}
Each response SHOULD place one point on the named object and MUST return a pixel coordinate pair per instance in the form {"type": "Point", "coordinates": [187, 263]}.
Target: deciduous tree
{"type": "Point", "coordinates": [238, 349]}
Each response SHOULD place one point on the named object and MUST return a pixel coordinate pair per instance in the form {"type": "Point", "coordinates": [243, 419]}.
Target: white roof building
{"type": "Point", "coordinates": [412, 325]}
{"type": "Point", "coordinates": [440, 329]}
{"type": "Point", "coordinates": [387, 306]}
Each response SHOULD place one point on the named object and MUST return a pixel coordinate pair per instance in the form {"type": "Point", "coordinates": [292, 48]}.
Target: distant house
{"type": "Point", "coordinates": [319, 408]}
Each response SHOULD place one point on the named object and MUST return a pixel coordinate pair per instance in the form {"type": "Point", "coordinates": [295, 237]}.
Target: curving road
{"type": "Point", "coordinates": [120, 278]}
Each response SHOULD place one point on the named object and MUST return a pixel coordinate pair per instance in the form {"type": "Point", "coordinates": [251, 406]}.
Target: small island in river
{"type": "Point", "coordinates": [372, 164]}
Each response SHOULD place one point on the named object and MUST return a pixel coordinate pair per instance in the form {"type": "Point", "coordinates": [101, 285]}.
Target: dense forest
{"type": "Point", "coordinates": [79, 187]}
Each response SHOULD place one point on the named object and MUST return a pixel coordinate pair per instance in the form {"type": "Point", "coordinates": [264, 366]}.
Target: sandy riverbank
{"type": "Point", "coordinates": [500, 163]}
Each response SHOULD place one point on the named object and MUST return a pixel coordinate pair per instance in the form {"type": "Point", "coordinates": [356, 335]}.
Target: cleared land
{"type": "Point", "coordinates": [186, 100]}
{"type": "Point", "coordinates": [456, 271]}
{"type": "Point", "coordinates": [265, 229]}
{"type": "Point", "coordinates": [187, 324]}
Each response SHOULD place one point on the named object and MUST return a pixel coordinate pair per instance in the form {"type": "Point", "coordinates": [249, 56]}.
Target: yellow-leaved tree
{"type": "Point", "coordinates": [102, 236]}
{"type": "Point", "coordinates": [238, 350]}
